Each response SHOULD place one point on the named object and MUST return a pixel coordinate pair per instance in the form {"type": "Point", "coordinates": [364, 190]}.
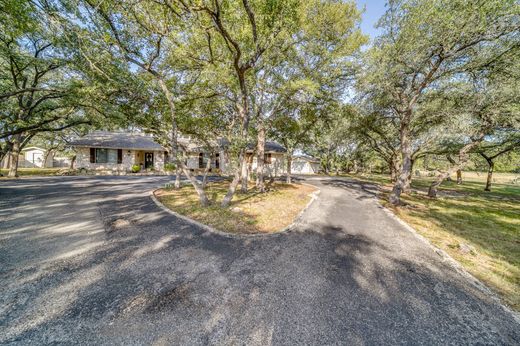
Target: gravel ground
{"type": "Point", "coordinates": [92, 260]}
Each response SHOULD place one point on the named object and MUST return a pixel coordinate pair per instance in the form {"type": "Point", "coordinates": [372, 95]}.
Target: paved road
{"type": "Point", "coordinates": [92, 260]}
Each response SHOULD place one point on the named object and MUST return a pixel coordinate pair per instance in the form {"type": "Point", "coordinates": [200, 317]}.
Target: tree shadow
{"type": "Point", "coordinates": [158, 278]}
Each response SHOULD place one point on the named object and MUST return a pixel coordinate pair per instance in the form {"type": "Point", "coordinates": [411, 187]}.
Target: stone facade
{"type": "Point", "coordinates": [130, 157]}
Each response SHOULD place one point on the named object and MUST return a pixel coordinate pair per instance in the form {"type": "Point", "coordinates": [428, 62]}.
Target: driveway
{"type": "Point", "coordinates": [92, 260]}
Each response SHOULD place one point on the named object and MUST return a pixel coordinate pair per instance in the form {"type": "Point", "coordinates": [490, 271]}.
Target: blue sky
{"type": "Point", "coordinates": [374, 9]}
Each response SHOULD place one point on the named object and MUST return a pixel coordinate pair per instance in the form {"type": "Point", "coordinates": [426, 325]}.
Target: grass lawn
{"type": "Point", "coordinates": [248, 213]}
{"type": "Point", "coordinates": [479, 229]}
{"type": "Point", "coordinates": [33, 171]}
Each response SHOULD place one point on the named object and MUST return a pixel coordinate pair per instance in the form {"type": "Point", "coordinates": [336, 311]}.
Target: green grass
{"type": "Point", "coordinates": [489, 222]}
{"type": "Point", "coordinates": [248, 213]}
{"type": "Point", "coordinates": [33, 171]}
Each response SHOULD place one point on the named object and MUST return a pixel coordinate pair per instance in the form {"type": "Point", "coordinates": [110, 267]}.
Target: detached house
{"type": "Point", "coordinates": [119, 151]}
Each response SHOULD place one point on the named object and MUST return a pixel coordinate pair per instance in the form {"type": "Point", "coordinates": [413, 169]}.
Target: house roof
{"type": "Point", "coordinates": [33, 148]}
{"type": "Point", "coordinates": [270, 146]}
{"type": "Point", "coordinates": [275, 147]}
{"type": "Point", "coordinates": [117, 140]}
{"type": "Point", "coordinates": [306, 158]}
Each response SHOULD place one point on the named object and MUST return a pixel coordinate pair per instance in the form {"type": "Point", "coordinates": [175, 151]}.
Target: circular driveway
{"type": "Point", "coordinates": [92, 260]}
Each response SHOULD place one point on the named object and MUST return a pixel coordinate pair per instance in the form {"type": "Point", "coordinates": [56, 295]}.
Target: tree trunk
{"type": "Point", "coordinates": [260, 163]}
{"type": "Point", "coordinates": [206, 171]}
{"type": "Point", "coordinates": [46, 157]}
{"type": "Point", "coordinates": [72, 162]}
{"type": "Point", "coordinates": [174, 144]}
{"type": "Point", "coordinates": [6, 159]}
{"type": "Point", "coordinates": [234, 183]}
{"type": "Point", "coordinates": [393, 170]}
{"type": "Point", "coordinates": [408, 186]}
{"type": "Point", "coordinates": [198, 187]}
{"type": "Point", "coordinates": [244, 174]}
{"type": "Point", "coordinates": [288, 180]}
{"type": "Point", "coordinates": [491, 168]}
{"type": "Point", "coordinates": [406, 163]}
{"type": "Point", "coordinates": [459, 177]}
{"type": "Point", "coordinates": [15, 155]}
{"type": "Point", "coordinates": [177, 184]}
{"type": "Point", "coordinates": [463, 159]}
{"type": "Point", "coordinates": [434, 187]}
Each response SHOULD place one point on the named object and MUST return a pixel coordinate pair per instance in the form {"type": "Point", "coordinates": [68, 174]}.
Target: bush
{"type": "Point", "coordinates": [169, 167]}
{"type": "Point", "coordinates": [136, 168]}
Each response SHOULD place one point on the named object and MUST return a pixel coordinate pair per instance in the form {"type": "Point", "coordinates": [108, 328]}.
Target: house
{"type": "Point", "coordinates": [30, 157]}
{"type": "Point", "coordinates": [33, 157]}
{"type": "Point", "coordinates": [274, 155]}
{"type": "Point", "coordinates": [304, 164]}
{"type": "Point", "coordinates": [274, 159]}
{"type": "Point", "coordinates": [118, 152]}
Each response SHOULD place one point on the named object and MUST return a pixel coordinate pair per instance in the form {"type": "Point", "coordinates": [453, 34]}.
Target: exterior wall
{"type": "Point", "coordinates": [130, 157]}
{"type": "Point", "coordinates": [299, 166]}
{"type": "Point", "coordinates": [83, 161]}
{"type": "Point", "coordinates": [158, 160]}
{"type": "Point", "coordinates": [193, 161]}
{"type": "Point", "coordinates": [33, 158]}
{"type": "Point", "coordinates": [275, 168]}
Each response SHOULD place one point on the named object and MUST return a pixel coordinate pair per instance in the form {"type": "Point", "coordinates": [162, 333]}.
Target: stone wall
{"type": "Point", "coordinates": [83, 161]}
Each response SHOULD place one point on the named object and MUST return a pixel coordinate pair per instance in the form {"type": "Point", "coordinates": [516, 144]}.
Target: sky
{"type": "Point", "coordinates": [374, 9]}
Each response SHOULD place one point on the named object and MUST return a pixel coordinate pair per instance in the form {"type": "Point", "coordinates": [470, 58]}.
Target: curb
{"type": "Point", "coordinates": [297, 219]}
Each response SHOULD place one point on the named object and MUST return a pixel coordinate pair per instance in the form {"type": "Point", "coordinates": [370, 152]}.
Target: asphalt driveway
{"type": "Point", "coordinates": [92, 260]}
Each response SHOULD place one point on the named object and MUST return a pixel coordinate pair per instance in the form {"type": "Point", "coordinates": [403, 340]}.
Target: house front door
{"type": "Point", "coordinates": [148, 160]}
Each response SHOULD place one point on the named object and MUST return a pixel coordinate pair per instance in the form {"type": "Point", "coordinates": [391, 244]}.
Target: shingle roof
{"type": "Point", "coordinates": [270, 146]}
{"type": "Point", "coordinates": [306, 158]}
{"type": "Point", "coordinates": [117, 140]}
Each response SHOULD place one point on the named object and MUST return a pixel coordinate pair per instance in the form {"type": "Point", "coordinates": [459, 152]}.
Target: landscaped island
{"type": "Point", "coordinates": [249, 213]}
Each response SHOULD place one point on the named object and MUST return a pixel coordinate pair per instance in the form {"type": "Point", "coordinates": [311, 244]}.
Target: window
{"type": "Point", "coordinates": [201, 160]}
{"type": "Point", "coordinates": [112, 156]}
{"type": "Point", "coordinates": [267, 158]}
{"type": "Point", "coordinates": [101, 155]}
{"type": "Point", "coordinates": [104, 155]}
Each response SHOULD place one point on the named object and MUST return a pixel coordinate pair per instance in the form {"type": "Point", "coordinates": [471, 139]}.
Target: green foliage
{"type": "Point", "coordinates": [169, 167]}
{"type": "Point", "coordinates": [136, 168]}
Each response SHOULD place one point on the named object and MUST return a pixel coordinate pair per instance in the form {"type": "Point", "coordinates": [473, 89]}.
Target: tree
{"type": "Point", "coordinates": [422, 44]}
{"type": "Point", "coordinates": [484, 105]}
{"type": "Point", "coordinates": [39, 90]}
{"type": "Point", "coordinates": [496, 147]}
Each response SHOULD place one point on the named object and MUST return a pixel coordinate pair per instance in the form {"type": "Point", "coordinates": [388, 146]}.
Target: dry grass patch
{"type": "Point", "coordinates": [33, 171]}
{"type": "Point", "coordinates": [248, 213]}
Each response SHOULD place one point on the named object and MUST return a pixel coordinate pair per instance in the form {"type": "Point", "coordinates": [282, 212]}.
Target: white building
{"type": "Point", "coordinates": [303, 164]}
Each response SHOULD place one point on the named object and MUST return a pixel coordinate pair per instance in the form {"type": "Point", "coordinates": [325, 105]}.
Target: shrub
{"type": "Point", "coordinates": [136, 168]}
{"type": "Point", "coordinates": [169, 167]}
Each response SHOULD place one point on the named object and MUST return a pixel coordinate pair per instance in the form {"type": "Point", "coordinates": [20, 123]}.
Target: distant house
{"type": "Point", "coordinates": [304, 164]}
{"type": "Point", "coordinates": [117, 151]}
{"type": "Point", "coordinates": [33, 157]}
{"type": "Point", "coordinates": [36, 157]}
